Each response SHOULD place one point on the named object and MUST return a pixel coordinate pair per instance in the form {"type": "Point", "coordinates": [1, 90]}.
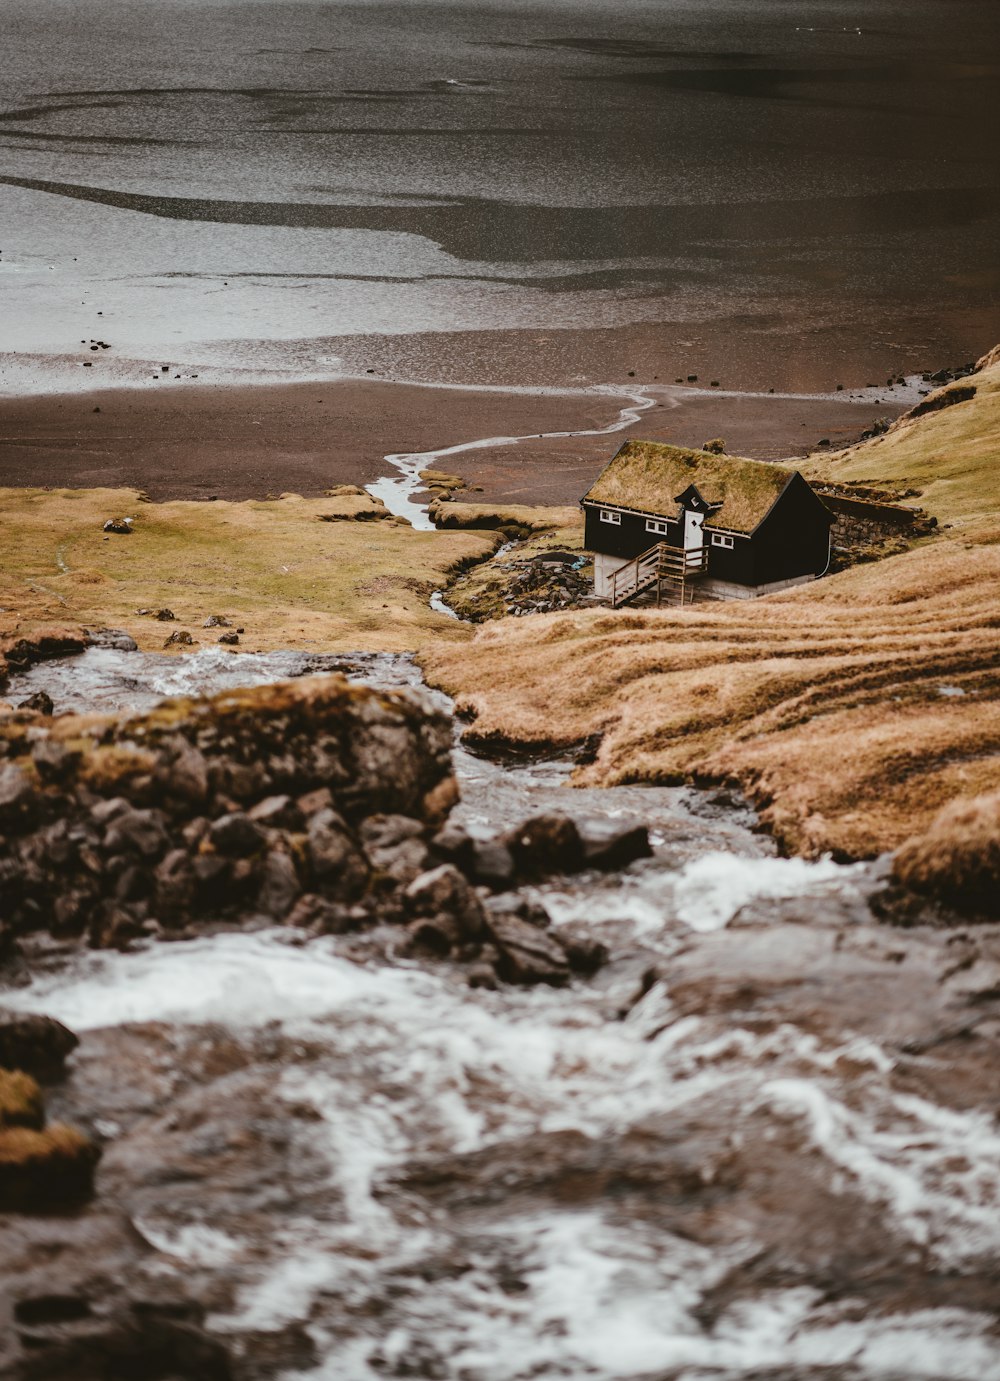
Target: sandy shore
{"type": "Point", "coordinates": [199, 442]}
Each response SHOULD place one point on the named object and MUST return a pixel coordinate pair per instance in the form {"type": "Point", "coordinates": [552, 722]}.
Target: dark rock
{"type": "Point", "coordinates": [585, 953]}
{"type": "Point", "coordinates": [40, 703]}
{"type": "Point", "coordinates": [334, 855]}
{"type": "Point", "coordinates": [123, 526]}
{"type": "Point", "coordinates": [175, 885]}
{"type": "Point", "coordinates": [493, 863]}
{"type": "Point", "coordinates": [615, 847]}
{"type": "Point", "coordinates": [395, 846]}
{"type": "Point", "coordinates": [114, 638]}
{"type": "Point", "coordinates": [137, 831]}
{"type": "Point", "coordinates": [280, 887]}
{"type": "Point", "coordinates": [236, 835]}
{"type": "Point", "coordinates": [164, 615]}
{"type": "Point", "coordinates": [180, 638]}
{"type": "Point", "coordinates": [39, 1045]}
{"type": "Point", "coordinates": [437, 935]}
{"type": "Point", "coordinates": [325, 917]}
{"type": "Point", "coordinates": [444, 891]}
{"type": "Point", "coordinates": [51, 1309]}
{"type": "Point", "coordinates": [527, 954]}
{"type": "Point", "coordinates": [545, 844]}
{"type": "Point", "coordinates": [229, 639]}
{"type": "Point", "coordinates": [455, 845]}
{"type": "Point", "coordinates": [186, 776]}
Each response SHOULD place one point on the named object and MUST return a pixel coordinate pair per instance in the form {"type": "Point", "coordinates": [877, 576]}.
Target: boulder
{"type": "Point", "coordinates": [395, 847]}
{"type": "Point", "coordinates": [545, 844]}
{"type": "Point", "coordinates": [445, 892]}
{"type": "Point", "coordinates": [615, 846]}
{"type": "Point", "coordinates": [37, 1044]}
{"type": "Point", "coordinates": [137, 831]}
{"type": "Point", "coordinates": [280, 886]}
{"type": "Point", "coordinates": [335, 857]}
{"type": "Point", "coordinates": [45, 1170]}
{"type": "Point", "coordinates": [236, 835]}
{"type": "Point", "coordinates": [115, 639]}
{"type": "Point", "coordinates": [39, 703]}
{"type": "Point", "coordinates": [492, 863]}
{"type": "Point", "coordinates": [525, 953]}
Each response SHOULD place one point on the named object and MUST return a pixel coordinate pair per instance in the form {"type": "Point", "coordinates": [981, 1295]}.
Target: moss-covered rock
{"type": "Point", "coordinates": [41, 1171]}
{"type": "Point", "coordinates": [21, 1102]}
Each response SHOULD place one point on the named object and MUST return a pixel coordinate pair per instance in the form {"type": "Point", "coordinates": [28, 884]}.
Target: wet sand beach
{"type": "Point", "coordinates": [199, 442]}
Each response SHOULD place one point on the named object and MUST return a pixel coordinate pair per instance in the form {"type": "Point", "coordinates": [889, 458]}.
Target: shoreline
{"type": "Point", "coordinates": [237, 442]}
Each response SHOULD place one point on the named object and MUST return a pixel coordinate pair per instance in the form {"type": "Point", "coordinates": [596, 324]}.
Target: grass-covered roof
{"type": "Point", "coordinates": [648, 476]}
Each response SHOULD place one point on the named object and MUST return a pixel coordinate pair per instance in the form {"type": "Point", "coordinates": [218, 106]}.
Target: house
{"type": "Point", "coordinates": [683, 524]}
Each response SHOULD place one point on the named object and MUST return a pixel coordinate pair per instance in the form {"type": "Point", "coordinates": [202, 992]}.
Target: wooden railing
{"type": "Point", "coordinates": [660, 566]}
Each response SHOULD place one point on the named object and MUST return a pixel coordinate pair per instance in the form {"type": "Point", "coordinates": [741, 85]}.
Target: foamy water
{"type": "Point", "coordinates": [461, 1136]}
{"type": "Point", "coordinates": [421, 1066]}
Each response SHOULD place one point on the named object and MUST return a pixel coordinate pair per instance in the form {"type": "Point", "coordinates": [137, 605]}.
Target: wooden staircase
{"type": "Point", "coordinates": [664, 571]}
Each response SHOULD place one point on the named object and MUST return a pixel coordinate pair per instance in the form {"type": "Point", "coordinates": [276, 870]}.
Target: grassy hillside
{"type": "Point", "coordinates": [319, 574]}
{"type": "Point", "coordinates": [851, 710]}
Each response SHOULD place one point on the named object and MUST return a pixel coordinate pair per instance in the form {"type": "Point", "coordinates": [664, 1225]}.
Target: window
{"type": "Point", "coordinates": [654, 525]}
{"type": "Point", "coordinates": [719, 539]}
{"type": "Point", "coordinates": [607, 516]}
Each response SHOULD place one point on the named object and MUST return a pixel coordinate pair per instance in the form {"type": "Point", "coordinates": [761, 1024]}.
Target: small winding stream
{"type": "Point", "coordinates": [721, 1158]}
{"type": "Point", "coordinates": [398, 491]}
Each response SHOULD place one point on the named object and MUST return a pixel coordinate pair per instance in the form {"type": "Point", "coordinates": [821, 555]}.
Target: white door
{"type": "Point", "coordinates": [694, 538]}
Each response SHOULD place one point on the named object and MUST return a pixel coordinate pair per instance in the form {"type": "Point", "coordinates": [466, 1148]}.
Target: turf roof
{"type": "Point", "coordinates": [648, 476]}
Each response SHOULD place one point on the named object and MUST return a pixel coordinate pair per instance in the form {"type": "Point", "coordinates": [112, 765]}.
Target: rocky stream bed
{"type": "Point", "coordinates": [617, 1095]}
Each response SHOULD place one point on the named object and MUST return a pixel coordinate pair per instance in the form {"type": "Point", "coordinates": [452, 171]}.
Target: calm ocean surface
{"type": "Point", "coordinates": [304, 187]}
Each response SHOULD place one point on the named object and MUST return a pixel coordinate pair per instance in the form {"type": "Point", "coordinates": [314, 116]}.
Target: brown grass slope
{"type": "Point", "coordinates": [851, 711]}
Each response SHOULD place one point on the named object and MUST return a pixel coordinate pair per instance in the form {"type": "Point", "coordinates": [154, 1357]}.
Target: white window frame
{"type": "Point", "coordinates": [722, 539]}
{"type": "Point", "coordinates": [608, 515]}
{"type": "Point", "coordinates": [658, 525]}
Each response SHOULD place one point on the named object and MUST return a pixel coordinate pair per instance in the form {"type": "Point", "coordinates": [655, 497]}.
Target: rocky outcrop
{"type": "Point", "coordinates": [316, 803]}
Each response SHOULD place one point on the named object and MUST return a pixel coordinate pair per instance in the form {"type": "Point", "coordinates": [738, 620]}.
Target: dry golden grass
{"type": "Point", "coordinates": [274, 568]}
{"type": "Point", "coordinates": [449, 515]}
{"type": "Point", "coordinates": [851, 710]}
{"type": "Point", "coordinates": [958, 860]}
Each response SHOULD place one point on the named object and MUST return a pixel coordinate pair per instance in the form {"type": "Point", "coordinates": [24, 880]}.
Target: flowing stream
{"type": "Point", "coordinates": [727, 1156]}
{"type": "Point", "coordinates": [397, 491]}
